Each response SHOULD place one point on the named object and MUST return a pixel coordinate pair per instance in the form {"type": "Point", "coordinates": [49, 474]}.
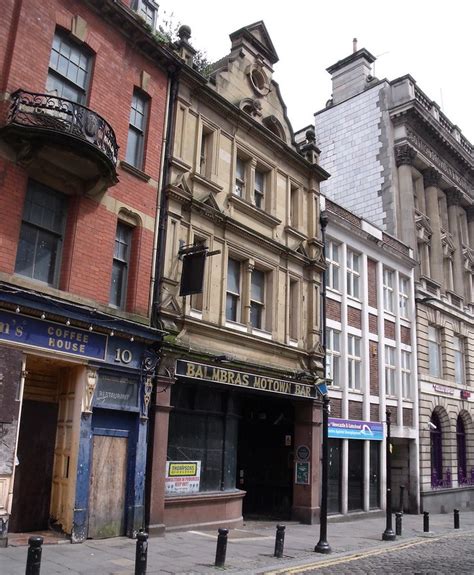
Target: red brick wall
{"type": "Point", "coordinates": [355, 410]}
{"type": "Point", "coordinates": [336, 408]}
{"type": "Point", "coordinates": [374, 412]}
{"type": "Point", "coordinates": [117, 67]}
{"type": "Point", "coordinates": [354, 317]}
{"type": "Point", "coordinates": [373, 323]}
{"type": "Point", "coordinates": [333, 310]}
{"type": "Point", "coordinates": [374, 368]}
{"type": "Point", "coordinates": [372, 282]}
{"type": "Point", "coordinates": [405, 335]}
{"type": "Point", "coordinates": [389, 329]}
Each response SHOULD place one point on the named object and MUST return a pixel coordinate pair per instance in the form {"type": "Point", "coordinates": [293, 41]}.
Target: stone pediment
{"type": "Point", "coordinates": [257, 35]}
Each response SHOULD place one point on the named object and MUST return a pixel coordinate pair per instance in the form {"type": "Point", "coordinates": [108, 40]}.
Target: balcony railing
{"type": "Point", "coordinates": [49, 113]}
{"type": "Point", "coordinates": [445, 481]}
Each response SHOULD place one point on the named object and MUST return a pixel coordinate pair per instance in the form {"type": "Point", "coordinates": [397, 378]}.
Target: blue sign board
{"type": "Point", "coordinates": [30, 331]}
{"type": "Point", "coordinates": [354, 429]}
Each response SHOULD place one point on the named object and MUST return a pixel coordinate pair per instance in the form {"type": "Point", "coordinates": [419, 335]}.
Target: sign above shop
{"type": "Point", "coordinates": [354, 429]}
{"type": "Point", "coordinates": [116, 392]}
{"type": "Point", "coordinates": [217, 374]}
{"type": "Point", "coordinates": [443, 389]}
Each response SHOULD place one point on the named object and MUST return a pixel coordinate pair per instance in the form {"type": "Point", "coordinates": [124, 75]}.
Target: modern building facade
{"type": "Point", "coordinates": [83, 105]}
{"type": "Point", "coordinates": [236, 415]}
{"type": "Point", "coordinates": [371, 363]}
{"type": "Point", "coordinates": [397, 160]}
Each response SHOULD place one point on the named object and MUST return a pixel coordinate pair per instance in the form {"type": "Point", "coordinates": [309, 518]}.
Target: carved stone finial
{"type": "Point", "coordinates": [310, 135]}
{"type": "Point", "coordinates": [431, 177]}
{"type": "Point", "coordinates": [404, 155]}
{"type": "Point", "coordinates": [184, 33]}
{"type": "Point", "coordinates": [453, 197]}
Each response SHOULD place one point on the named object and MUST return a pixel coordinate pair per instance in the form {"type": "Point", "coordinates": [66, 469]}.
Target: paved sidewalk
{"type": "Point", "coordinates": [249, 550]}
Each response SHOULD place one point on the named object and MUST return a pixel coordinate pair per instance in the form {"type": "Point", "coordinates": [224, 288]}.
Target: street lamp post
{"type": "Point", "coordinates": [323, 545]}
{"type": "Point", "coordinates": [388, 534]}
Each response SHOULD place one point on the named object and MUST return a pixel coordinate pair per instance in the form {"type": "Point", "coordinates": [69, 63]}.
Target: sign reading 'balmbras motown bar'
{"type": "Point", "coordinates": [243, 379]}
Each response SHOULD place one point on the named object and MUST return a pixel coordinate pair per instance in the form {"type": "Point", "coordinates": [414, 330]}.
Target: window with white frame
{"type": "Point", "coordinates": [390, 370]}
{"type": "Point", "coordinates": [354, 361]}
{"type": "Point", "coordinates": [353, 274]}
{"type": "Point", "coordinates": [69, 69]}
{"type": "Point", "coordinates": [259, 188]}
{"type": "Point", "coordinates": [406, 373]}
{"type": "Point", "coordinates": [240, 177]}
{"type": "Point", "coordinates": [333, 355]}
{"type": "Point", "coordinates": [388, 292]}
{"type": "Point", "coordinates": [404, 296]}
{"type": "Point", "coordinates": [434, 351]}
{"type": "Point", "coordinates": [257, 299]}
{"type": "Point", "coordinates": [137, 130]}
{"type": "Point", "coordinates": [458, 344]}
{"type": "Point", "coordinates": [333, 255]}
{"type": "Point", "coordinates": [148, 10]}
{"type": "Point", "coordinates": [233, 307]}
{"type": "Point", "coordinates": [294, 309]}
{"type": "Point", "coordinates": [121, 264]}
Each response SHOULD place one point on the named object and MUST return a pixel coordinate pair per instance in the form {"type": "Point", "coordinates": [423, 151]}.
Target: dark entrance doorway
{"type": "Point", "coordinates": [34, 473]}
{"type": "Point", "coordinates": [265, 457]}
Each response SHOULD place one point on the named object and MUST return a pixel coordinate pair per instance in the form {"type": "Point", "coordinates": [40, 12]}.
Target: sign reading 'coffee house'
{"type": "Point", "coordinates": [216, 374]}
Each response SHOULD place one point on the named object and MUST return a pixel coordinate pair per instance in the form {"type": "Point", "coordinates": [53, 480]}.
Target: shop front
{"type": "Point", "coordinates": [241, 444]}
{"type": "Point", "coordinates": [74, 412]}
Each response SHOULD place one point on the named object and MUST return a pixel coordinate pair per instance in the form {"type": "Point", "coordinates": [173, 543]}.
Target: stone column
{"type": "Point", "coordinates": [405, 156]}
{"type": "Point", "coordinates": [453, 197]}
{"type": "Point", "coordinates": [431, 179]}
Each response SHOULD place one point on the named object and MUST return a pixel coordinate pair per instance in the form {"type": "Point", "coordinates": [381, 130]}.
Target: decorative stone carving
{"type": "Point", "coordinates": [91, 384]}
{"type": "Point", "coordinates": [453, 196]}
{"type": "Point", "coordinates": [404, 155]}
{"type": "Point", "coordinates": [431, 177]}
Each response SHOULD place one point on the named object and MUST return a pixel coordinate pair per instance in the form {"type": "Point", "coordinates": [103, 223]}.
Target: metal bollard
{"type": "Point", "coordinates": [279, 541]}
{"type": "Point", "coordinates": [33, 560]}
{"type": "Point", "coordinates": [456, 519]}
{"type": "Point", "coordinates": [398, 523]}
{"type": "Point", "coordinates": [426, 521]}
{"type": "Point", "coordinates": [141, 553]}
{"type": "Point", "coordinates": [402, 492]}
{"type": "Point", "coordinates": [221, 547]}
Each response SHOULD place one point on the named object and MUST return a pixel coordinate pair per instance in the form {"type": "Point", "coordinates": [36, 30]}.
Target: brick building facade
{"type": "Point", "coordinates": [82, 118]}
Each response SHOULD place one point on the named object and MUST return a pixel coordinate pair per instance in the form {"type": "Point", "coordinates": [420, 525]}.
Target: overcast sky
{"type": "Point", "coordinates": [430, 40]}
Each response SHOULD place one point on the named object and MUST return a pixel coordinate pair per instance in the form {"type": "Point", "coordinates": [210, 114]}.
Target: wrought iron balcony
{"type": "Point", "coordinates": [44, 127]}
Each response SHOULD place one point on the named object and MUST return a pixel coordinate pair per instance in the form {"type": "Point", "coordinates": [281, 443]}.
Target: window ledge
{"type": "Point", "coordinates": [253, 211]}
{"type": "Point", "coordinates": [291, 231]}
{"type": "Point", "coordinates": [206, 182]}
{"type": "Point", "coordinates": [134, 171]}
{"type": "Point", "coordinates": [195, 313]}
{"type": "Point", "coordinates": [237, 326]}
{"type": "Point", "coordinates": [261, 333]}
{"type": "Point", "coordinates": [293, 343]}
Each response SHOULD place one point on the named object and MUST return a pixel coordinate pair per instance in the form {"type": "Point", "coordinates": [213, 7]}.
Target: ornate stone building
{"type": "Point", "coordinates": [236, 416]}
{"type": "Point", "coordinates": [396, 159]}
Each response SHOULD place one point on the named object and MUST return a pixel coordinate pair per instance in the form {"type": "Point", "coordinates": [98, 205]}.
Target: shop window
{"type": "Point", "coordinates": [355, 480]}
{"type": "Point", "coordinates": [374, 478]}
{"type": "Point", "coordinates": [41, 235]}
{"type": "Point", "coordinates": [406, 374]}
{"type": "Point", "coordinates": [434, 351]}
{"type": "Point", "coordinates": [333, 355]}
{"type": "Point", "coordinates": [233, 301]}
{"type": "Point", "coordinates": [353, 274]}
{"type": "Point", "coordinates": [458, 344]}
{"type": "Point", "coordinates": [137, 130]}
{"type": "Point", "coordinates": [403, 297]}
{"type": "Point", "coordinates": [334, 475]}
{"type": "Point", "coordinates": [388, 295]}
{"type": "Point", "coordinates": [200, 431]}
{"type": "Point", "coordinates": [436, 440]}
{"type": "Point", "coordinates": [390, 370]}
{"type": "Point", "coordinates": [121, 265]}
{"type": "Point", "coordinates": [69, 69]}
{"type": "Point", "coordinates": [354, 362]}
{"type": "Point", "coordinates": [461, 451]}
{"type": "Point", "coordinates": [333, 252]}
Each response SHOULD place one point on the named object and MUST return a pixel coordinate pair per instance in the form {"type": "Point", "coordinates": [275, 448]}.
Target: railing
{"type": "Point", "coordinates": [51, 113]}
{"type": "Point", "coordinates": [440, 481]}
{"type": "Point", "coordinates": [464, 479]}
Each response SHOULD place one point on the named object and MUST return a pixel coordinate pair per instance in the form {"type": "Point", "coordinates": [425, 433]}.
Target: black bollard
{"type": "Point", "coordinates": [141, 553]}
{"type": "Point", "coordinates": [402, 491]}
{"type": "Point", "coordinates": [456, 519]}
{"type": "Point", "coordinates": [221, 547]}
{"type": "Point", "coordinates": [398, 523]}
{"type": "Point", "coordinates": [33, 560]}
{"type": "Point", "coordinates": [426, 521]}
{"type": "Point", "coordinates": [279, 541]}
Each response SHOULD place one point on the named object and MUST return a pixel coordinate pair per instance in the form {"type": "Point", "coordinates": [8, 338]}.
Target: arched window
{"type": "Point", "coordinates": [461, 449]}
{"type": "Point", "coordinates": [436, 451]}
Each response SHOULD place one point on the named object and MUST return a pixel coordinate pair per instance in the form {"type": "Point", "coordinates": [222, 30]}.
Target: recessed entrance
{"type": "Point", "coordinates": [265, 457]}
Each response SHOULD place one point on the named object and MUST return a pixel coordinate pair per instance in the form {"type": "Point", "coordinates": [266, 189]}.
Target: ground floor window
{"type": "Point", "coordinates": [355, 487]}
{"type": "Point", "coordinates": [436, 451]}
{"type": "Point", "coordinates": [201, 431]}
{"type": "Point", "coordinates": [334, 475]}
{"type": "Point", "coordinates": [374, 477]}
{"type": "Point", "coordinates": [461, 449]}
